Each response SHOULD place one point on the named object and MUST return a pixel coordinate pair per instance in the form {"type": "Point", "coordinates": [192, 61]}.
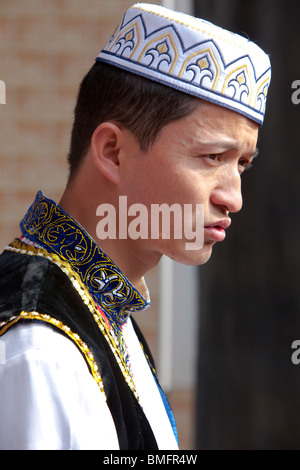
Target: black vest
{"type": "Point", "coordinates": [36, 284]}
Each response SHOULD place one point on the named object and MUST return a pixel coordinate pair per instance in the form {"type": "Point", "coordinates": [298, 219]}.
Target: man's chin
{"type": "Point", "coordinates": [193, 257]}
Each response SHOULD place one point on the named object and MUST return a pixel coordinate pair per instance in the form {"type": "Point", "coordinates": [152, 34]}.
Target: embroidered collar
{"type": "Point", "coordinates": [49, 226]}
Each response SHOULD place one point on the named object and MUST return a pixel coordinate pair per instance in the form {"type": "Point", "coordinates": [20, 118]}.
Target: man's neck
{"type": "Point", "coordinates": [131, 256]}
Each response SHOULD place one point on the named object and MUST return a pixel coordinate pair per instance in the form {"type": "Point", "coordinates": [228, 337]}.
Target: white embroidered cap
{"type": "Point", "coordinates": [193, 56]}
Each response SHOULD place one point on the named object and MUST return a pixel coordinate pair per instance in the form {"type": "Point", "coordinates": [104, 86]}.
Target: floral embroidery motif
{"type": "Point", "coordinates": [100, 319]}
{"type": "Point", "coordinates": [54, 230]}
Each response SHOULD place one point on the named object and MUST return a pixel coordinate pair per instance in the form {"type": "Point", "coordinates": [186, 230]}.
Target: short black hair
{"type": "Point", "coordinates": [144, 107]}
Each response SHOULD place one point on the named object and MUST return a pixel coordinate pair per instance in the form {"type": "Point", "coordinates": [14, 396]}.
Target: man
{"type": "Point", "coordinates": [169, 114]}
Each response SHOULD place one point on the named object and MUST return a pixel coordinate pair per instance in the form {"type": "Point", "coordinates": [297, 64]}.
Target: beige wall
{"type": "Point", "coordinates": [46, 46]}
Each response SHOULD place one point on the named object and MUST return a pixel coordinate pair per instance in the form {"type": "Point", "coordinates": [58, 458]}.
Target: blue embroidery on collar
{"type": "Point", "coordinates": [52, 228]}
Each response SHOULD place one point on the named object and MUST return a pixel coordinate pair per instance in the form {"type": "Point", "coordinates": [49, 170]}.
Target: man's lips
{"type": "Point", "coordinates": [216, 230]}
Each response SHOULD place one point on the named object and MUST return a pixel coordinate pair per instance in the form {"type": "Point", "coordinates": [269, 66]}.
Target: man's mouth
{"type": "Point", "coordinates": [216, 230]}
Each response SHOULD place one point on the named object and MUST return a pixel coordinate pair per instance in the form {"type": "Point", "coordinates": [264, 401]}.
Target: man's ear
{"type": "Point", "coordinates": [106, 144]}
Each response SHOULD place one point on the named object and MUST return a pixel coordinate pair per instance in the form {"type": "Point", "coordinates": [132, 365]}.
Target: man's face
{"type": "Point", "coordinates": [196, 160]}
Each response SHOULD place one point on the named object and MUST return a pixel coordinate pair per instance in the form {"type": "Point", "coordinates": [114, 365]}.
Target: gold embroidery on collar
{"type": "Point", "coordinates": [17, 246]}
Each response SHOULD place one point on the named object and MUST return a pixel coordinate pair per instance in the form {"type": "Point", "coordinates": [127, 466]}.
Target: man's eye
{"type": "Point", "coordinates": [213, 156]}
{"type": "Point", "coordinates": [245, 164]}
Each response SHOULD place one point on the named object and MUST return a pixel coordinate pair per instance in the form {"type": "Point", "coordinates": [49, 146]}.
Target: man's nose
{"type": "Point", "coordinates": [228, 193]}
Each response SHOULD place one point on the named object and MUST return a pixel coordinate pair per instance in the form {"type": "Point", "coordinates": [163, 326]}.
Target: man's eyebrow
{"type": "Point", "coordinates": [220, 145]}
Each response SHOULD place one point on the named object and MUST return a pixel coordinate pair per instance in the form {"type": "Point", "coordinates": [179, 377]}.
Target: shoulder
{"type": "Point", "coordinates": [40, 340]}
{"type": "Point", "coordinates": [48, 398]}
{"type": "Point", "coordinates": [38, 348]}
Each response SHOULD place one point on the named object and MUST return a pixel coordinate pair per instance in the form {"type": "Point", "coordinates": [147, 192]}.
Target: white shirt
{"type": "Point", "coordinates": [49, 400]}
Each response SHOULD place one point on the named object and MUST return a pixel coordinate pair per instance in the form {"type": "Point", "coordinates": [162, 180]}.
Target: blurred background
{"type": "Point", "coordinates": [222, 333]}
